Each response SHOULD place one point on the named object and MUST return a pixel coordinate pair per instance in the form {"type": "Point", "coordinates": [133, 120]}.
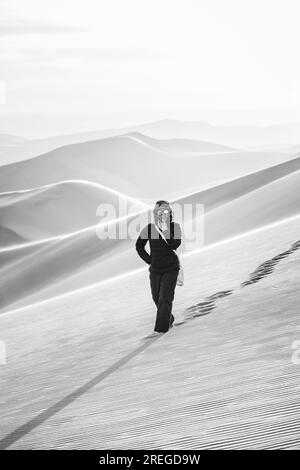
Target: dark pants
{"type": "Point", "coordinates": [163, 291]}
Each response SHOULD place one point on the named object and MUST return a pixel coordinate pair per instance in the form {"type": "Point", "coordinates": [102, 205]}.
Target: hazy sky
{"type": "Point", "coordinates": [70, 65]}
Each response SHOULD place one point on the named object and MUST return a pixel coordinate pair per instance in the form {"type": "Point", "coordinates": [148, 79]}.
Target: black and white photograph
{"type": "Point", "coordinates": [149, 228]}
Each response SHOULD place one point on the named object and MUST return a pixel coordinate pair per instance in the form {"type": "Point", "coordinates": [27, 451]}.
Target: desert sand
{"type": "Point", "coordinates": [80, 375]}
{"type": "Point", "coordinates": [77, 308]}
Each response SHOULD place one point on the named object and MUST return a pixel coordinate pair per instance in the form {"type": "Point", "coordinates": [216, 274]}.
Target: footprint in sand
{"type": "Point", "coordinates": [209, 303]}
{"type": "Point", "coordinates": [268, 266]}
{"type": "Point", "coordinates": [206, 306]}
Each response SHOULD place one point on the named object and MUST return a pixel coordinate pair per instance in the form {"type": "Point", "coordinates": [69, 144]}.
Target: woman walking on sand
{"type": "Point", "coordinates": [164, 236]}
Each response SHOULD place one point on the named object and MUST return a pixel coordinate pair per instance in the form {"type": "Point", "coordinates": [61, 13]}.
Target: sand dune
{"type": "Point", "coordinates": [57, 209]}
{"type": "Point", "coordinates": [232, 135]}
{"type": "Point", "coordinates": [80, 259]}
{"type": "Point", "coordinates": [248, 202]}
{"type": "Point", "coordinates": [24, 150]}
{"type": "Point", "coordinates": [10, 237]}
{"type": "Point", "coordinates": [295, 149]}
{"type": "Point", "coordinates": [274, 201]}
{"type": "Point", "coordinates": [230, 190]}
{"type": "Point", "coordinates": [230, 210]}
{"type": "Point", "coordinates": [108, 390]}
{"type": "Point", "coordinates": [29, 269]}
{"type": "Point", "coordinates": [133, 167]}
{"type": "Point", "coordinates": [180, 146]}
{"type": "Point", "coordinates": [9, 139]}
{"type": "Point", "coordinates": [10, 147]}
{"type": "Point", "coordinates": [283, 147]}
{"type": "Point", "coordinates": [259, 138]}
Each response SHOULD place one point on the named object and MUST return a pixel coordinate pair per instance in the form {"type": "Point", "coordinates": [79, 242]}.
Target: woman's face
{"type": "Point", "coordinates": [163, 213]}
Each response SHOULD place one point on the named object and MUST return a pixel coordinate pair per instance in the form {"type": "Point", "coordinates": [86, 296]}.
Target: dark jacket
{"type": "Point", "coordinates": [162, 257]}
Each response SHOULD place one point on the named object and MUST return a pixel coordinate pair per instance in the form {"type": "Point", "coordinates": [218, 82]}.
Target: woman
{"type": "Point", "coordinates": [164, 263]}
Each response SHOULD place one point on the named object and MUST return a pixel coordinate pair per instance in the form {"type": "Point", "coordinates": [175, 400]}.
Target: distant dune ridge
{"type": "Point", "coordinates": [9, 139]}
{"type": "Point", "coordinates": [138, 167]}
{"type": "Point", "coordinates": [179, 146]}
{"type": "Point", "coordinates": [275, 137]}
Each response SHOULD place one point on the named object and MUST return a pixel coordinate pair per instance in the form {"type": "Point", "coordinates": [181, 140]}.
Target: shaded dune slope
{"type": "Point", "coordinates": [57, 209]}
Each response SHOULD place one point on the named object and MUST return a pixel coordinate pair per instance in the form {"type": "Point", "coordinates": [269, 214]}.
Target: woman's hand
{"type": "Point", "coordinates": [163, 219]}
{"type": "Point", "coordinates": [164, 226]}
{"type": "Point", "coordinates": [162, 222]}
